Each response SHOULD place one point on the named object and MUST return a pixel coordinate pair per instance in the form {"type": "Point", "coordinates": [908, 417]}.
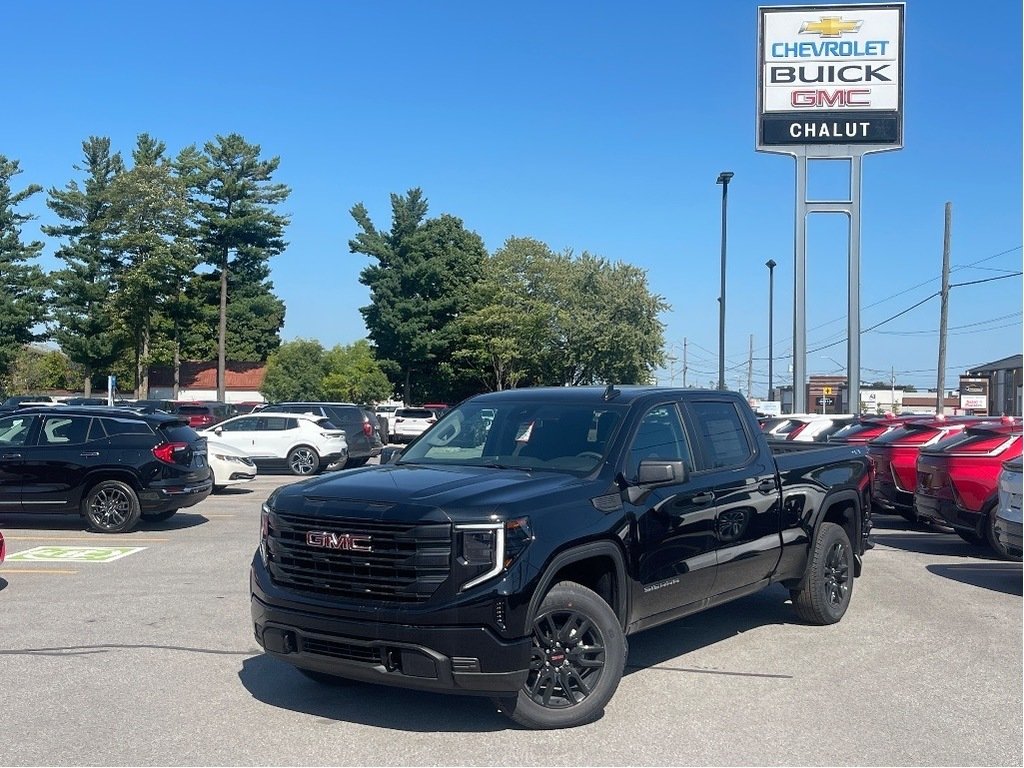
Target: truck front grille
{"type": "Point", "coordinates": [405, 562]}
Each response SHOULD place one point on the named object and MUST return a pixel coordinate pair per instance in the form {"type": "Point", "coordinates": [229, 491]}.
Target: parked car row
{"type": "Point", "coordinates": [936, 469]}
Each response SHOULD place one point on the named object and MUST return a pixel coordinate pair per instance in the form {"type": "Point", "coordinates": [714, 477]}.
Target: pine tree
{"type": "Point", "coordinates": [23, 284]}
{"type": "Point", "coordinates": [238, 224]}
{"type": "Point", "coordinates": [85, 329]}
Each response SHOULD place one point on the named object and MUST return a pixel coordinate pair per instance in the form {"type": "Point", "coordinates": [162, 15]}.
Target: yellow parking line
{"type": "Point", "coordinates": [97, 537]}
{"type": "Point", "coordinates": [4, 571]}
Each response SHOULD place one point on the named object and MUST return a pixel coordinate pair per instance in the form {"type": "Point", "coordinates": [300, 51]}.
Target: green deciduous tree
{"type": "Point", "coordinates": [353, 375]}
{"type": "Point", "coordinates": [295, 372]}
{"type": "Point", "coordinates": [85, 328]}
{"type": "Point", "coordinates": [22, 282]}
{"type": "Point", "coordinates": [238, 223]}
{"type": "Point", "coordinates": [419, 285]}
{"type": "Point", "coordinates": [546, 318]}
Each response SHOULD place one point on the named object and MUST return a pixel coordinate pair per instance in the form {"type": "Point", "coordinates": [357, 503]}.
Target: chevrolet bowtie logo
{"type": "Point", "coordinates": [829, 26]}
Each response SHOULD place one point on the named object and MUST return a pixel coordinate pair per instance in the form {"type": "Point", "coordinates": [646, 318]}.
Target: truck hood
{"type": "Point", "coordinates": [388, 492]}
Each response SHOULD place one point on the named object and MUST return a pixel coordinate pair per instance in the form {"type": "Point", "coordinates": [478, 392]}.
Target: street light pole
{"type": "Point", "coordinates": [723, 179]}
{"type": "Point", "coordinates": [771, 315]}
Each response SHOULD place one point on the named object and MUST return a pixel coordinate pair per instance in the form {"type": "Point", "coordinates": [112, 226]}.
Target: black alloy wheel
{"type": "Point", "coordinates": [827, 588]}
{"type": "Point", "coordinates": [577, 659]}
{"type": "Point", "coordinates": [837, 574]}
{"type": "Point", "coordinates": [111, 506]}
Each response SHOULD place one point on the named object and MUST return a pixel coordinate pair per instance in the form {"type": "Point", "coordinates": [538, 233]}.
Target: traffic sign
{"type": "Point", "coordinates": [825, 401]}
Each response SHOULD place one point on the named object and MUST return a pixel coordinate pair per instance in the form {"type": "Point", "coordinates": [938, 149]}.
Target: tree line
{"type": "Point", "coordinates": [163, 258]}
{"type": "Point", "coordinates": [167, 259]}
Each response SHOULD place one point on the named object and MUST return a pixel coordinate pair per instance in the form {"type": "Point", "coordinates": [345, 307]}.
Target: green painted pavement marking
{"type": "Point", "coordinates": [54, 554]}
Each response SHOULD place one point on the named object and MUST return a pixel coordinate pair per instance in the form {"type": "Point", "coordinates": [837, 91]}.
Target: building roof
{"type": "Point", "coordinates": [237, 376]}
{"type": "Point", "coordinates": [1007, 363]}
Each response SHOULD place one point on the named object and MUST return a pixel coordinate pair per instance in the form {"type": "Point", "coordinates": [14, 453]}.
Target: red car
{"type": "Point", "coordinates": [958, 479]}
{"type": "Point", "coordinates": [894, 456]}
{"type": "Point", "coordinates": [865, 428]}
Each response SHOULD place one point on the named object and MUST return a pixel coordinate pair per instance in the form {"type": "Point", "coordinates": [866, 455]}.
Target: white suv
{"type": "Point", "coordinates": [410, 423]}
{"type": "Point", "coordinates": [303, 443]}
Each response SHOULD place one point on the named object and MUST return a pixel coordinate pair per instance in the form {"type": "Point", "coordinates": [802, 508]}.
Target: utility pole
{"type": "Point", "coordinates": [684, 362]}
{"type": "Point", "coordinates": [892, 381]}
{"type": "Point", "coordinates": [750, 366]}
{"type": "Point", "coordinates": [944, 311]}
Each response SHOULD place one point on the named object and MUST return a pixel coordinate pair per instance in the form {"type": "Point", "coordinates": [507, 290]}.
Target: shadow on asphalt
{"type": "Point", "coordinates": [925, 539]}
{"type": "Point", "coordinates": [654, 647]}
{"type": "Point", "coordinates": [276, 683]}
{"type": "Point", "coordinates": [999, 577]}
{"type": "Point", "coordinates": [47, 521]}
{"type": "Point", "coordinates": [280, 685]}
{"type": "Point", "coordinates": [3, 584]}
{"type": "Point", "coordinates": [233, 490]}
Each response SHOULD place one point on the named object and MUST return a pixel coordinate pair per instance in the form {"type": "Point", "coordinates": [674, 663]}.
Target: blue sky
{"type": "Point", "coordinates": [595, 126]}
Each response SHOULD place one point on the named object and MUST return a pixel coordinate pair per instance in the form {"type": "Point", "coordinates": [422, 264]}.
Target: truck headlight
{"type": "Point", "coordinates": [486, 549]}
{"type": "Point", "coordinates": [264, 531]}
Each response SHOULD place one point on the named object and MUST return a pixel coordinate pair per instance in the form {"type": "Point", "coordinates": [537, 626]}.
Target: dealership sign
{"type": "Point", "coordinates": [974, 394]}
{"type": "Point", "coordinates": [830, 74]}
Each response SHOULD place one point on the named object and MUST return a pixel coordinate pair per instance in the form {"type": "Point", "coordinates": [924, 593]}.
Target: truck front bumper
{"type": "Point", "coordinates": [461, 659]}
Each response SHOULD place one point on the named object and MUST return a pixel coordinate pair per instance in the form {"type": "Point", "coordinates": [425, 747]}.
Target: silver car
{"type": "Point", "coordinates": [1007, 526]}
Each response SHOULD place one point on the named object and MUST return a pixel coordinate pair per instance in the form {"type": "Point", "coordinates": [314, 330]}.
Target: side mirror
{"type": "Point", "coordinates": [660, 472]}
{"type": "Point", "coordinates": [655, 472]}
{"type": "Point", "coordinates": [390, 454]}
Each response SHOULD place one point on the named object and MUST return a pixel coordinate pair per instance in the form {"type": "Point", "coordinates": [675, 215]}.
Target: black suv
{"type": "Point", "coordinates": [362, 430]}
{"type": "Point", "coordinates": [112, 465]}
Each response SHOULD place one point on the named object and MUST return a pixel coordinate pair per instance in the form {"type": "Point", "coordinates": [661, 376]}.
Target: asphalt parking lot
{"type": "Point", "coordinates": [149, 660]}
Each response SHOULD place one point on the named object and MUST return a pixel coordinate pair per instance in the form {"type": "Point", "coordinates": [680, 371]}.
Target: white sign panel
{"type": "Point", "coordinates": [830, 74]}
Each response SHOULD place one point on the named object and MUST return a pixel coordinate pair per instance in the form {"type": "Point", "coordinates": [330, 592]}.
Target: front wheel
{"type": "Point", "coordinates": [303, 460]}
{"type": "Point", "coordinates": [111, 506]}
{"type": "Point", "coordinates": [828, 584]}
{"type": "Point", "coordinates": [579, 653]}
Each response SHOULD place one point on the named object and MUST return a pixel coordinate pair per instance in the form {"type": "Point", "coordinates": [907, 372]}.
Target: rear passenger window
{"type": "Point", "coordinates": [722, 434]}
{"type": "Point", "coordinates": [126, 427]}
{"type": "Point", "coordinates": [64, 430]}
{"type": "Point", "coordinates": [275, 423]}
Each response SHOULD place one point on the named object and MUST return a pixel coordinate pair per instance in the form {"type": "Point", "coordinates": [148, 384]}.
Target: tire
{"type": "Point", "coordinates": [576, 632]}
{"type": "Point", "coordinates": [351, 463]}
{"type": "Point", "coordinates": [988, 527]}
{"type": "Point", "coordinates": [303, 461]}
{"type": "Point", "coordinates": [970, 537]}
{"type": "Point", "coordinates": [828, 583]}
{"type": "Point", "coordinates": [156, 517]}
{"type": "Point", "coordinates": [111, 506]}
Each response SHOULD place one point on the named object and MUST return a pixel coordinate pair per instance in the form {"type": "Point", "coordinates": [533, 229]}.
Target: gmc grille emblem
{"type": "Point", "coordinates": [328, 540]}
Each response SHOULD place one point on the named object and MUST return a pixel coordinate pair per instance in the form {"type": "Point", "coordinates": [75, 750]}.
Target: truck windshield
{"type": "Point", "coordinates": [529, 435]}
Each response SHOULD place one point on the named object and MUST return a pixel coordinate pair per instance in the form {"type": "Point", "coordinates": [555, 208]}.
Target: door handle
{"type": "Point", "coordinates": [11, 456]}
{"type": "Point", "coordinates": [704, 498]}
{"type": "Point", "coordinates": [89, 454]}
{"type": "Point", "coordinates": [766, 486]}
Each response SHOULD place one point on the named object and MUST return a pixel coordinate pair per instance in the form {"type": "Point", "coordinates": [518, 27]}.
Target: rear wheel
{"type": "Point", "coordinates": [111, 506]}
{"type": "Point", "coordinates": [970, 537]}
{"type": "Point", "coordinates": [303, 460]}
{"type": "Point", "coordinates": [828, 584]}
{"type": "Point", "coordinates": [579, 652]}
{"type": "Point", "coordinates": [988, 526]}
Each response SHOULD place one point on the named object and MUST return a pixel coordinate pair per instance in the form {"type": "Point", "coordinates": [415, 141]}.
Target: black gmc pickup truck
{"type": "Point", "coordinates": [511, 549]}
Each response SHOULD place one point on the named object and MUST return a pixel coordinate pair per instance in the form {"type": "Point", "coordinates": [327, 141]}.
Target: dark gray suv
{"type": "Point", "coordinates": [362, 430]}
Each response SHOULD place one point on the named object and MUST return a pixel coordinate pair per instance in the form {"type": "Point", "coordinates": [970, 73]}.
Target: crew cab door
{"type": "Point", "coordinates": [674, 523]}
{"type": "Point", "coordinates": [15, 431]}
{"type": "Point", "coordinates": [741, 474]}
